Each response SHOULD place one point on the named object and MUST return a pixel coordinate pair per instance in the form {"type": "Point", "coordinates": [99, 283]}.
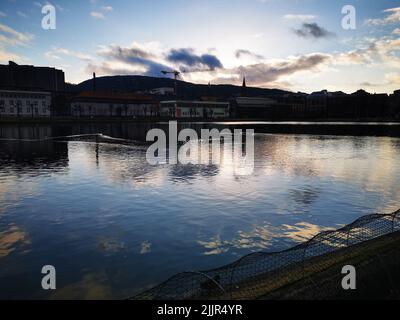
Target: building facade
{"type": "Point", "coordinates": [165, 91]}
{"type": "Point", "coordinates": [27, 104]}
{"type": "Point", "coordinates": [111, 104]}
{"type": "Point", "coordinates": [194, 109]}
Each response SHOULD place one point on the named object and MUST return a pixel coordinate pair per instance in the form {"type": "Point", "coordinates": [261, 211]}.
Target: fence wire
{"type": "Point", "coordinates": [258, 274]}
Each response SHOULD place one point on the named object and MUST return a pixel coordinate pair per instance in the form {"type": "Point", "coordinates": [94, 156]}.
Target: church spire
{"type": "Point", "coordinates": [243, 91]}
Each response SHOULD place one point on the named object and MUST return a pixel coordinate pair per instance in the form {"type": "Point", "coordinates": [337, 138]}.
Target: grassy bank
{"type": "Point", "coordinates": [377, 264]}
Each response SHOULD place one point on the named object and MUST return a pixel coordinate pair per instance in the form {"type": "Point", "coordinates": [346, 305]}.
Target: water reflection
{"type": "Point", "coordinates": [12, 239]}
{"type": "Point", "coordinates": [303, 231]}
{"type": "Point", "coordinates": [91, 287]}
{"type": "Point", "coordinates": [114, 225]}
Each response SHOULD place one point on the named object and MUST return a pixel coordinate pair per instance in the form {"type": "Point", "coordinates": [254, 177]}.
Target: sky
{"type": "Point", "coordinates": [297, 45]}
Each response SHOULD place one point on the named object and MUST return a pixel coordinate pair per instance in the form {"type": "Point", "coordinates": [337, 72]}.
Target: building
{"type": "Point", "coordinates": [25, 104]}
{"type": "Point", "coordinates": [113, 104]}
{"type": "Point", "coordinates": [253, 107]}
{"type": "Point", "coordinates": [165, 91]}
{"type": "Point", "coordinates": [21, 77]}
{"type": "Point", "coordinates": [295, 104]}
{"type": "Point", "coordinates": [394, 104]}
{"type": "Point", "coordinates": [194, 109]}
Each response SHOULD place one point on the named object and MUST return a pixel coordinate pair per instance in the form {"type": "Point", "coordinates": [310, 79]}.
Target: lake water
{"type": "Point", "coordinates": [113, 225]}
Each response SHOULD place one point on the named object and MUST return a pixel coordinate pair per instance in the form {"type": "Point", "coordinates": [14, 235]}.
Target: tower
{"type": "Point", "coordinates": [244, 87]}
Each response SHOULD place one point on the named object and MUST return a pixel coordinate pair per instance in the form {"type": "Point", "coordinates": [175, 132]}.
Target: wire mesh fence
{"type": "Point", "coordinates": [258, 274]}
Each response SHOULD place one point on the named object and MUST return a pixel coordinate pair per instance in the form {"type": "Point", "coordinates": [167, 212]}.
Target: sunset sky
{"type": "Point", "coordinates": [298, 45]}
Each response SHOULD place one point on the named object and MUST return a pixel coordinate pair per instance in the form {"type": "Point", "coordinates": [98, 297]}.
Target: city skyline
{"type": "Point", "coordinates": [296, 46]}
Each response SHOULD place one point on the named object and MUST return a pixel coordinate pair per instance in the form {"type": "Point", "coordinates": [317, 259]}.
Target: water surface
{"type": "Point", "coordinates": [113, 225]}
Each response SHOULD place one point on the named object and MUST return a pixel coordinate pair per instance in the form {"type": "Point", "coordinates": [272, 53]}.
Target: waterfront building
{"type": "Point", "coordinates": [253, 107]}
{"type": "Point", "coordinates": [394, 104]}
{"type": "Point", "coordinates": [194, 109]}
{"type": "Point", "coordinates": [113, 104]}
{"type": "Point", "coordinates": [165, 91]}
{"type": "Point", "coordinates": [17, 103]}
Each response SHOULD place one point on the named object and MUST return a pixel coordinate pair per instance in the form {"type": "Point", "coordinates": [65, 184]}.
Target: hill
{"type": "Point", "coordinates": [185, 89]}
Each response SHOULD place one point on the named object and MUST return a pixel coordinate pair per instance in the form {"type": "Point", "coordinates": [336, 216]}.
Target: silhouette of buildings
{"type": "Point", "coordinates": [194, 109]}
{"type": "Point", "coordinates": [25, 92]}
{"type": "Point", "coordinates": [255, 107]}
{"type": "Point", "coordinates": [21, 77]}
{"type": "Point", "coordinates": [319, 105]}
{"type": "Point", "coordinates": [113, 104]}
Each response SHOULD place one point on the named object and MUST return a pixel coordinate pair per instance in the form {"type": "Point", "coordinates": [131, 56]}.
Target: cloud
{"type": "Point", "coordinates": [299, 16]}
{"type": "Point", "coordinates": [247, 53]}
{"type": "Point", "coordinates": [97, 15]}
{"type": "Point", "coordinates": [188, 61]}
{"type": "Point", "coordinates": [2, 14]}
{"type": "Point", "coordinates": [107, 8]}
{"type": "Point", "coordinates": [390, 79]}
{"type": "Point", "coordinates": [127, 54]}
{"type": "Point", "coordinates": [40, 5]}
{"type": "Point", "coordinates": [313, 30]}
{"type": "Point", "coordinates": [150, 60]}
{"type": "Point", "coordinates": [379, 52]}
{"type": "Point", "coordinates": [134, 58]}
{"type": "Point", "coordinates": [12, 37]}
{"type": "Point", "coordinates": [22, 14]}
{"type": "Point", "coordinates": [271, 73]}
{"type": "Point", "coordinates": [392, 17]}
{"type": "Point", "coordinates": [113, 68]}
{"type": "Point", "coordinates": [369, 84]}
{"type": "Point", "coordinates": [8, 56]}
{"type": "Point", "coordinates": [57, 51]}
{"type": "Point", "coordinates": [393, 78]}
{"type": "Point", "coordinates": [396, 31]}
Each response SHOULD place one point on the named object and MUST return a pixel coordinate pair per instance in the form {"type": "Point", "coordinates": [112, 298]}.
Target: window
{"type": "Point", "coordinates": [28, 110]}
{"type": "Point", "coordinates": [11, 110]}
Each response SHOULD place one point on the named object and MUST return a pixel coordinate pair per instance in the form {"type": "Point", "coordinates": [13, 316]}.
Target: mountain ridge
{"type": "Point", "coordinates": [134, 83]}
